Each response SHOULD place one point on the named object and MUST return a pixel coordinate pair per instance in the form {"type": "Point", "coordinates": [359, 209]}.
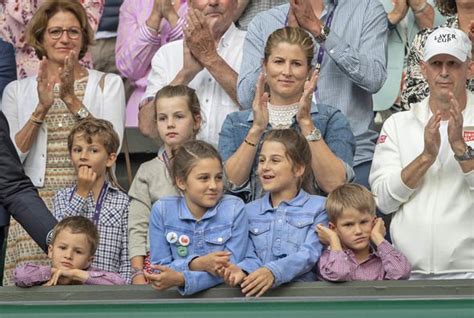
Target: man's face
{"type": "Point", "coordinates": [445, 73]}
{"type": "Point", "coordinates": [218, 13]}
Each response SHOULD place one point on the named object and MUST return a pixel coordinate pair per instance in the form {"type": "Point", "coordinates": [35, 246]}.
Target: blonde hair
{"type": "Point", "coordinates": [297, 151]}
{"type": "Point", "coordinates": [39, 23]}
{"type": "Point", "coordinates": [290, 35]}
{"type": "Point", "coordinates": [93, 127]}
{"type": "Point", "coordinates": [78, 225]}
{"type": "Point", "coordinates": [186, 156]}
{"type": "Point", "coordinates": [349, 195]}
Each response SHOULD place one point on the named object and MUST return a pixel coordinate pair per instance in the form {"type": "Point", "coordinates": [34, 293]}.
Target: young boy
{"type": "Point", "coordinates": [71, 251]}
{"type": "Point", "coordinates": [352, 228]}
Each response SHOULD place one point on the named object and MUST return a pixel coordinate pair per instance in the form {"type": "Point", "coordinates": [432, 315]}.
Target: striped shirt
{"type": "Point", "coordinates": [254, 7]}
{"type": "Point", "coordinates": [384, 264]}
{"type": "Point", "coordinates": [352, 70]}
{"type": "Point", "coordinates": [112, 251]}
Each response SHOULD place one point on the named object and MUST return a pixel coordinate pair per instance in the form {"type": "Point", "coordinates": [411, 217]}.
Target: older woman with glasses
{"type": "Point", "coordinates": [42, 109]}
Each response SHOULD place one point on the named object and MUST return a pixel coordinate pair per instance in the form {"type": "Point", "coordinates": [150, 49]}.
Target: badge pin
{"type": "Point", "coordinates": [171, 237]}
{"type": "Point", "coordinates": [182, 251]}
{"type": "Point", "coordinates": [183, 240]}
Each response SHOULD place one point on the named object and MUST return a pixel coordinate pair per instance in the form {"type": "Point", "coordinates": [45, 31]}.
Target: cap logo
{"type": "Point", "coordinates": [445, 38]}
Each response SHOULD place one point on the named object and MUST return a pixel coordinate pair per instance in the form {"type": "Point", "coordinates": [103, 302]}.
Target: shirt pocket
{"type": "Point", "coordinates": [217, 237]}
{"type": "Point", "coordinates": [260, 236]}
{"type": "Point", "coordinates": [298, 225]}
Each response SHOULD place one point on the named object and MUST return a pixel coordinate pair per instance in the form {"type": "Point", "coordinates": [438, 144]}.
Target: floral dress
{"type": "Point", "coordinates": [21, 248]}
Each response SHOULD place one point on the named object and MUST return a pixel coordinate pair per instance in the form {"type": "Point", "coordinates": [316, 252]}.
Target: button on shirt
{"type": "Point", "coordinates": [284, 238]}
{"type": "Point", "coordinates": [352, 70]}
{"type": "Point", "coordinates": [215, 103]}
{"type": "Point", "coordinates": [222, 228]}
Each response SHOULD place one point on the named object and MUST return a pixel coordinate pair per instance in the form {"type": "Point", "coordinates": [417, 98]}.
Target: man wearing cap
{"type": "Point", "coordinates": [423, 167]}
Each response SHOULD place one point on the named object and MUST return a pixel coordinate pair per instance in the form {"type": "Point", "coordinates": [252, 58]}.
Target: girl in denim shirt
{"type": "Point", "coordinates": [194, 235]}
{"type": "Point", "coordinates": [282, 223]}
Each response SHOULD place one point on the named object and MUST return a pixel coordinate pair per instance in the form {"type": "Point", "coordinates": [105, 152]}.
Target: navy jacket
{"type": "Point", "coordinates": [7, 65]}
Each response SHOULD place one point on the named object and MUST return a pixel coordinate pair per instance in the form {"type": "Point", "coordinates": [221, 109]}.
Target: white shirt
{"type": "Point", "coordinates": [433, 225]}
{"type": "Point", "coordinates": [215, 103]}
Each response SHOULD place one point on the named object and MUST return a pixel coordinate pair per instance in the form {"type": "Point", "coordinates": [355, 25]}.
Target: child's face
{"type": "Point", "coordinates": [203, 187]}
{"type": "Point", "coordinates": [70, 251]}
{"type": "Point", "coordinates": [354, 228]}
{"type": "Point", "coordinates": [276, 171]}
{"type": "Point", "coordinates": [92, 155]}
{"type": "Point", "coordinates": [175, 121]}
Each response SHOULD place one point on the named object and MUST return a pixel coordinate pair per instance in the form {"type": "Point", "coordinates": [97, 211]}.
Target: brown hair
{"type": "Point", "coordinates": [187, 155]}
{"type": "Point", "coordinates": [93, 127]}
{"type": "Point", "coordinates": [181, 91]}
{"type": "Point", "coordinates": [349, 195]}
{"type": "Point", "coordinates": [39, 23]}
{"type": "Point", "coordinates": [290, 35]}
{"type": "Point", "coordinates": [447, 7]}
{"type": "Point", "coordinates": [78, 225]}
{"type": "Point", "coordinates": [297, 150]}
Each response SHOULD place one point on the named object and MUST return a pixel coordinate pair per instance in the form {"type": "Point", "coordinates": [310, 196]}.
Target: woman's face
{"type": "Point", "coordinates": [286, 73]}
{"type": "Point", "coordinates": [57, 45]}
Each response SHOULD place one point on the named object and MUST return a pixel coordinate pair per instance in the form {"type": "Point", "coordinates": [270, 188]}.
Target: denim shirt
{"type": "Point", "coordinates": [335, 131]}
{"type": "Point", "coordinates": [284, 238]}
{"type": "Point", "coordinates": [222, 228]}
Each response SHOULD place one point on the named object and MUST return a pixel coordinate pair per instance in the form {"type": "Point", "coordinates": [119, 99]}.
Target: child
{"type": "Point", "coordinates": [193, 236]}
{"type": "Point", "coordinates": [352, 226]}
{"type": "Point", "coordinates": [178, 118]}
{"type": "Point", "coordinates": [71, 251]}
{"type": "Point", "coordinates": [282, 221]}
{"type": "Point", "coordinates": [93, 145]}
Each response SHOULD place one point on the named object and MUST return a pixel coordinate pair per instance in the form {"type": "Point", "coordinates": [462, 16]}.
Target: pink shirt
{"type": "Point", "coordinates": [32, 275]}
{"type": "Point", "coordinates": [13, 25]}
{"type": "Point", "coordinates": [137, 44]}
{"type": "Point", "coordinates": [385, 264]}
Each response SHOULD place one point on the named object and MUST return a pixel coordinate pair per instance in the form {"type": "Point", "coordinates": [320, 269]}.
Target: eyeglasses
{"type": "Point", "coordinates": [57, 32]}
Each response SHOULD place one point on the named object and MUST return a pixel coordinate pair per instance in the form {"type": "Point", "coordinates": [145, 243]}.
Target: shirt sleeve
{"type": "Point", "coordinates": [114, 103]}
{"type": "Point", "coordinates": [139, 215]}
{"type": "Point", "coordinates": [195, 281]}
{"type": "Point", "coordinates": [386, 173]}
{"type": "Point", "coordinates": [31, 275]}
{"type": "Point", "coordinates": [335, 266]}
{"type": "Point", "coordinates": [97, 277]}
{"type": "Point", "coordinates": [395, 264]}
{"type": "Point", "coordinates": [366, 64]}
{"type": "Point", "coordinates": [293, 265]}
{"type": "Point", "coordinates": [125, 267]}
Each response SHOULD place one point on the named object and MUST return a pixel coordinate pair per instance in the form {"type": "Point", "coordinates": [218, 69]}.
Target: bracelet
{"type": "Point", "coordinates": [250, 143]}
{"type": "Point", "coordinates": [35, 120]}
{"type": "Point", "coordinates": [423, 7]}
{"type": "Point", "coordinates": [136, 271]}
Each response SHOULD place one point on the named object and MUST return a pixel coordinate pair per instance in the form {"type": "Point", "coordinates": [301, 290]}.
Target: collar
{"type": "Point", "coordinates": [314, 110]}
{"type": "Point", "coordinates": [422, 111]}
{"type": "Point", "coordinates": [301, 198]}
{"type": "Point", "coordinates": [226, 39]}
{"type": "Point", "coordinates": [372, 254]}
{"type": "Point", "coordinates": [185, 214]}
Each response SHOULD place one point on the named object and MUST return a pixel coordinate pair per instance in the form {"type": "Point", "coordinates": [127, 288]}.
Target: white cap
{"type": "Point", "coordinates": [449, 41]}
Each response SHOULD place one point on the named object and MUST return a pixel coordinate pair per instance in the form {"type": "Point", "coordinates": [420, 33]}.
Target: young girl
{"type": "Point", "coordinates": [93, 145]}
{"type": "Point", "coordinates": [178, 119]}
{"type": "Point", "coordinates": [282, 222]}
{"type": "Point", "coordinates": [193, 236]}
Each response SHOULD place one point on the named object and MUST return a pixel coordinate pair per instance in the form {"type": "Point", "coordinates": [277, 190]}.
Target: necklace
{"type": "Point", "coordinates": [281, 117]}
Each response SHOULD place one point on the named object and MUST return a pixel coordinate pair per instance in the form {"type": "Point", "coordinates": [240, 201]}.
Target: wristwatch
{"type": "Point", "coordinates": [315, 135]}
{"type": "Point", "coordinates": [467, 155]}
{"type": "Point", "coordinates": [323, 35]}
{"type": "Point", "coordinates": [82, 113]}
